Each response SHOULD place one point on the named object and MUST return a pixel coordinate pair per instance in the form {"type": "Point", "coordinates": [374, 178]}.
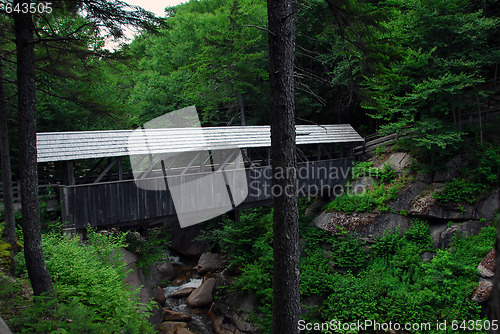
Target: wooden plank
{"type": "Point", "coordinates": [112, 203]}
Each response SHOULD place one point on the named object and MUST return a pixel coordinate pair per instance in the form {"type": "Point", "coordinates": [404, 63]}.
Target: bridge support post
{"type": "Point", "coordinates": [69, 173]}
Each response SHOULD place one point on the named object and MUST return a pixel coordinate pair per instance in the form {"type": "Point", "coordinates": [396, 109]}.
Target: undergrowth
{"type": "Point", "coordinates": [90, 294]}
{"type": "Point", "coordinates": [386, 188]}
{"type": "Point", "coordinates": [345, 279]}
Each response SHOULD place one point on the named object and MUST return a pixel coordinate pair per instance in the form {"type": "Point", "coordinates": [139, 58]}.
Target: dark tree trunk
{"type": "Point", "coordinates": [8, 201]}
{"type": "Point", "coordinates": [286, 292]}
{"type": "Point", "coordinates": [494, 301]}
{"type": "Point", "coordinates": [35, 263]}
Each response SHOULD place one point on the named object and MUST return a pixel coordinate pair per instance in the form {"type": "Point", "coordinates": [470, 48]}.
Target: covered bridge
{"type": "Point", "coordinates": [172, 171]}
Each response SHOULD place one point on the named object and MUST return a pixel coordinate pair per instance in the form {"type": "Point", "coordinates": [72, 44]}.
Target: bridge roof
{"type": "Point", "coordinates": [64, 146]}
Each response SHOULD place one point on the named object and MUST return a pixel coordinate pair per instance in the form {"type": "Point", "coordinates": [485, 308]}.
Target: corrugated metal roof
{"type": "Point", "coordinates": [63, 146]}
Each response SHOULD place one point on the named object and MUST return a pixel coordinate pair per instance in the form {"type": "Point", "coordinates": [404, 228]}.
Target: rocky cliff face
{"type": "Point", "coordinates": [417, 201]}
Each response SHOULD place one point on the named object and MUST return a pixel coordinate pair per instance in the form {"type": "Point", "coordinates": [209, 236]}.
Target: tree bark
{"type": "Point", "coordinates": [35, 263]}
{"type": "Point", "coordinates": [286, 292]}
{"type": "Point", "coordinates": [8, 201]}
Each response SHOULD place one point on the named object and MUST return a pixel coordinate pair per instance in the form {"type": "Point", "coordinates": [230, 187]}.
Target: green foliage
{"type": "Point", "coordinates": [461, 191]}
{"type": "Point", "coordinates": [364, 168]}
{"type": "Point", "coordinates": [379, 150]}
{"type": "Point", "coordinates": [397, 286]}
{"type": "Point", "coordinates": [479, 176]}
{"type": "Point", "coordinates": [88, 282]}
{"type": "Point", "coordinates": [151, 248]}
{"type": "Point", "coordinates": [387, 173]}
{"type": "Point", "coordinates": [438, 56]}
{"type": "Point", "coordinates": [375, 197]}
{"type": "Point", "coordinates": [352, 203]}
{"type": "Point", "coordinates": [387, 283]}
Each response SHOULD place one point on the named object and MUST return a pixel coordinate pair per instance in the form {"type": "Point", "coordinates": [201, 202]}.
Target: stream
{"type": "Point", "coordinates": [185, 278]}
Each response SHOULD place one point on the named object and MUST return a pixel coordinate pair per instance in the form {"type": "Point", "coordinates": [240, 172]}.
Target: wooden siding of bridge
{"type": "Point", "coordinates": [123, 202]}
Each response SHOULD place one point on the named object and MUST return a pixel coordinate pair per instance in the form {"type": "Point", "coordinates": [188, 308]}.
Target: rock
{"type": "Point", "coordinates": [316, 207]}
{"type": "Point", "coordinates": [466, 228]}
{"type": "Point", "coordinates": [220, 326]}
{"type": "Point", "coordinates": [426, 206]}
{"type": "Point", "coordinates": [424, 177]}
{"type": "Point", "coordinates": [362, 184]}
{"type": "Point", "coordinates": [236, 309]}
{"type": "Point", "coordinates": [183, 331]}
{"type": "Point", "coordinates": [209, 262]}
{"type": "Point", "coordinates": [489, 206]}
{"type": "Point", "coordinates": [169, 315]}
{"type": "Point", "coordinates": [334, 221]}
{"type": "Point", "coordinates": [166, 271]}
{"type": "Point", "coordinates": [203, 295]}
{"type": "Point", "coordinates": [399, 161]}
{"type": "Point", "coordinates": [181, 293]}
{"type": "Point", "coordinates": [364, 225]}
{"type": "Point", "coordinates": [407, 195]}
{"type": "Point", "coordinates": [387, 222]}
{"type": "Point", "coordinates": [487, 266]}
{"type": "Point", "coordinates": [483, 290]}
{"type": "Point", "coordinates": [160, 296]}
{"type": "Point", "coordinates": [184, 240]}
{"type": "Point", "coordinates": [170, 327]}
{"type": "Point", "coordinates": [146, 283]}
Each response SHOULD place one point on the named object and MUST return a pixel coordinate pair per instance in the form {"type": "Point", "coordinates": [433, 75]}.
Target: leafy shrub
{"type": "Point", "coordinates": [151, 248]}
{"type": "Point", "coordinates": [88, 278]}
{"type": "Point", "coordinates": [352, 203]}
{"type": "Point", "coordinates": [461, 191]}
{"type": "Point", "coordinates": [387, 173]}
{"type": "Point", "coordinates": [376, 197]}
{"type": "Point", "coordinates": [364, 168]}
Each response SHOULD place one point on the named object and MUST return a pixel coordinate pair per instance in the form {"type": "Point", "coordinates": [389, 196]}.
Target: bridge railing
{"type": "Point", "coordinates": [120, 202]}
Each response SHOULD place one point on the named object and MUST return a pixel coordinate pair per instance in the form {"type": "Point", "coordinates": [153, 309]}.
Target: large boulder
{"type": "Point", "coordinates": [442, 238]}
{"type": "Point", "coordinates": [407, 195]}
{"type": "Point", "coordinates": [364, 225]}
{"type": "Point", "coordinates": [202, 296]}
{"type": "Point", "coordinates": [182, 292]}
{"type": "Point", "coordinates": [487, 266]}
{"type": "Point", "coordinates": [146, 283]}
{"type": "Point", "coordinates": [169, 315]}
{"type": "Point", "coordinates": [483, 290]}
{"type": "Point", "coordinates": [399, 161]}
{"type": "Point", "coordinates": [209, 262]}
{"type": "Point", "coordinates": [489, 207]}
{"type": "Point", "coordinates": [426, 206]}
{"type": "Point", "coordinates": [236, 310]}
{"type": "Point", "coordinates": [166, 271]}
{"type": "Point", "coordinates": [171, 327]}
